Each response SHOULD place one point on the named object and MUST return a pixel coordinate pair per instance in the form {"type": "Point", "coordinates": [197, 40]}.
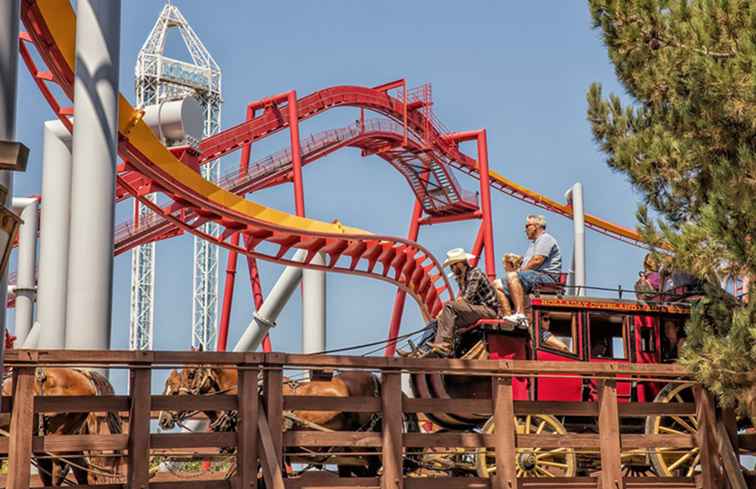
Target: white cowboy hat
{"type": "Point", "coordinates": [457, 255]}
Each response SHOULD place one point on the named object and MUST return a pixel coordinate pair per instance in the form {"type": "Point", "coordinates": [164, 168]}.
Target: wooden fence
{"type": "Point", "coordinates": [260, 442]}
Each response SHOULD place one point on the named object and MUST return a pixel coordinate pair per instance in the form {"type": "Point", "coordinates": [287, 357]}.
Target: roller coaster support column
{"type": "Point", "coordinates": [54, 235]}
{"type": "Point", "coordinates": [90, 277]}
{"type": "Point", "coordinates": [401, 296]}
{"type": "Point", "coordinates": [228, 287]}
{"type": "Point", "coordinates": [266, 316]}
{"type": "Point", "coordinates": [485, 192]}
{"type": "Point", "coordinates": [28, 209]}
{"type": "Point", "coordinates": [574, 198]}
{"type": "Point", "coordinates": [9, 16]}
{"type": "Point", "coordinates": [313, 281]}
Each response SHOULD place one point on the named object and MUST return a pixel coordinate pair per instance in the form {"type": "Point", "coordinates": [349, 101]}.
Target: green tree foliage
{"type": "Point", "coordinates": [687, 143]}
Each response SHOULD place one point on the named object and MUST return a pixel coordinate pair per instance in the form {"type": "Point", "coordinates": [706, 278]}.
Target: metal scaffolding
{"type": "Point", "coordinates": [160, 78]}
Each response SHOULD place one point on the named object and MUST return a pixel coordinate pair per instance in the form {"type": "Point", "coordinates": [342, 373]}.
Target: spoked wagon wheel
{"type": "Point", "coordinates": [531, 462]}
{"type": "Point", "coordinates": [669, 462]}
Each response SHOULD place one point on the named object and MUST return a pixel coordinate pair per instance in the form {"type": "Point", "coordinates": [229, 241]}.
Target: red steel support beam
{"type": "Point", "coordinates": [485, 192]}
{"type": "Point", "coordinates": [296, 156]}
{"type": "Point", "coordinates": [478, 245]}
{"type": "Point", "coordinates": [401, 296]}
{"type": "Point", "coordinates": [485, 204]}
{"type": "Point", "coordinates": [257, 295]}
{"type": "Point", "coordinates": [228, 296]}
{"type": "Point", "coordinates": [228, 288]}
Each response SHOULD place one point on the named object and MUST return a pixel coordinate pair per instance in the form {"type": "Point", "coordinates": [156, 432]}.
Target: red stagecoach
{"type": "Point", "coordinates": [588, 330]}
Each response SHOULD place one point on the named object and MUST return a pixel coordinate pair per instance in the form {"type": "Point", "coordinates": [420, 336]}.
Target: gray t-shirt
{"type": "Point", "coordinates": [545, 245]}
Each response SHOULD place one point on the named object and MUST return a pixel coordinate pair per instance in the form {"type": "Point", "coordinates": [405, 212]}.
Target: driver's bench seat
{"type": "Point", "coordinates": [556, 288]}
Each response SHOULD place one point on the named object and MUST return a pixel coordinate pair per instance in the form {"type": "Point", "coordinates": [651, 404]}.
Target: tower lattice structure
{"type": "Point", "coordinates": [161, 78]}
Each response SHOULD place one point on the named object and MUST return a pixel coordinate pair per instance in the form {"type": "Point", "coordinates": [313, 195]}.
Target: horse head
{"type": "Point", "coordinates": [178, 383]}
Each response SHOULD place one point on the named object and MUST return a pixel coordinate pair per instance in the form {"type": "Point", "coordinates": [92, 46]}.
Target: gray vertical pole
{"type": "Point", "coordinates": [27, 264]}
{"type": "Point", "coordinates": [8, 79]}
{"type": "Point", "coordinates": [90, 265]}
{"type": "Point", "coordinates": [53, 235]}
{"type": "Point", "coordinates": [575, 198]}
{"type": "Point", "coordinates": [314, 308]}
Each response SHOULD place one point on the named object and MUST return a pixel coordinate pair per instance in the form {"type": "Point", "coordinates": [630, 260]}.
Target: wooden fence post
{"type": "Point", "coordinates": [21, 430]}
{"type": "Point", "coordinates": [705, 412]}
{"type": "Point", "coordinates": [246, 433]}
{"type": "Point", "coordinates": [505, 449]}
{"type": "Point", "coordinates": [391, 385]}
{"type": "Point", "coordinates": [273, 393]}
{"type": "Point", "coordinates": [609, 434]}
{"type": "Point", "coordinates": [139, 427]}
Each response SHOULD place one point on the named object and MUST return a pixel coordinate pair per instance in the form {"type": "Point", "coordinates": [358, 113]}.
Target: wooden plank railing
{"type": "Point", "coordinates": [261, 444]}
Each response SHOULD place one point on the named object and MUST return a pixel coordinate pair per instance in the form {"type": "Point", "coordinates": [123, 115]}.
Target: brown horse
{"type": "Point", "coordinates": [73, 382]}
{"type": "Point", "coordinates": [212, 381]}
{"type": "Point", "coordinates": [196, 381]}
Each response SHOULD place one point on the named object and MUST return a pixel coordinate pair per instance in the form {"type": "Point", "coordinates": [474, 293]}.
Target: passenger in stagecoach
{"type": "Point", "coordinates": [542, 264]}
{"type": "Point", "coordinates": [476, 300]}
{"type": "Point", "coordinates": [674, 338]}
{"type": "Point", "coordinates": [648, 285]}
{"type": "Point", "coordinates": [547, 337]}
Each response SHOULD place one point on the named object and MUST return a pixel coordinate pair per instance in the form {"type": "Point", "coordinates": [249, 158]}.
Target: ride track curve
{"type": "Point", "coordinates": [189, 209]}
{"type": "Point", "coordinates": [195, 201]}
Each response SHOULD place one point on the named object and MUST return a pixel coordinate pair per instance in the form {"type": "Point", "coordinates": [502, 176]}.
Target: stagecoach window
{"type": "Point", "coordinates": [648, 343]}
{"type": "Point", "coordinates": [558, 331]}
{"type": "Point", "coordinates": [607, 335]}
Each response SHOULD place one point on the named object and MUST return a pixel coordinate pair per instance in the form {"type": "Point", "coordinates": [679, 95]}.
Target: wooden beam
{"type": "Point", "coordinates": [504, 434]}
{"type": "Point", "coordinates": [391, 386]}
{"type": "Point", "coordinates": [481, 406]}
{"type": "Point", "coordinates": [730, 421]}
{"type": "Point", "coordinates": [139, 428]}
{"type": "Point", "coordinates": [222, 402]}
{"type": "Point", "coordinates": [730, 458]}
{"type": "Point", "coordinates": [246, 432]}
{"type": "Point", "coordinates": [22, 358]}
{"type": "Point", "coordinates": [559, 408]}
{"type": "Point", "coordinates": [270, 458]}
{"type": "Point", "coordinates": [609, 433]}
{"type": "Point", "coordinates": [322, 480]}
{"type": "Point", "coordinates": [478, 440]}
{"type": "Point", "coordinates": [332, 439]}
{"type": "Point", "coordinates": [705, 436]}
{"type": "Point", "coordinates": [273, 397]}
{"type": "Point", "coordinates": [21, 429]}
{"type": "Point", "coordinates": [343, 404]}
{"type": "Point", "coordinates": [197, 440]}
{"type": "Point", "coordinates": [80, 404]}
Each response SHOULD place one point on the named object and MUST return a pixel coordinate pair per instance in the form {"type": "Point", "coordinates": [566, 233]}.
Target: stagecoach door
{"type": "Point", "coordinates": [557, 339]}
{"type": "Point", "coordinates": [609, 341]}
{"type": "Point", "coordinates": [646, 349]}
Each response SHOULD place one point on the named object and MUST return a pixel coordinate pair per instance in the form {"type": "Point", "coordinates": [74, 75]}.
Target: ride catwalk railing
{"type": "Point", "coordinates": [274, 438]}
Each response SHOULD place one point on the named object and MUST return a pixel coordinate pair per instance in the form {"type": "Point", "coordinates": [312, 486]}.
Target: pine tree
{"type": "Point", "coordinates": [687, 142]}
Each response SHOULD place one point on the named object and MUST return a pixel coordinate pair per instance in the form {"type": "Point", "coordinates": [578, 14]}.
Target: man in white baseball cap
{"type": "Point", "coordinates": [477, 300]}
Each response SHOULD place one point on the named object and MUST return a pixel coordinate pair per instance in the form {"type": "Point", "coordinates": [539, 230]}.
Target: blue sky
{"type": "Point", "coordinates": [518, 69]}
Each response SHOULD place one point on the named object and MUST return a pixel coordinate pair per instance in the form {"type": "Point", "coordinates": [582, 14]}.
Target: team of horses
{"type": "Point", "coordinates": [207, 381]}
{"type": "Point", "coordinates": [87, 467]}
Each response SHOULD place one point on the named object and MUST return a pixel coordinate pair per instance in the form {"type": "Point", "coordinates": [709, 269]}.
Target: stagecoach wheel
{"type": "Point", "coordinates": [531, 462]}
{"type": "Point", "coordinates": [669, 462]}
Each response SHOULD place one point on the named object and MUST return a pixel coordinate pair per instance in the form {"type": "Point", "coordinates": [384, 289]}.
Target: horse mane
{"type": "Point", "coordinates": [104, 388]}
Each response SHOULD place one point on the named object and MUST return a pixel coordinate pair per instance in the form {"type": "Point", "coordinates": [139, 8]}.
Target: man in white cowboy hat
{"type": "Point", "coordinates": [477, 300]}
